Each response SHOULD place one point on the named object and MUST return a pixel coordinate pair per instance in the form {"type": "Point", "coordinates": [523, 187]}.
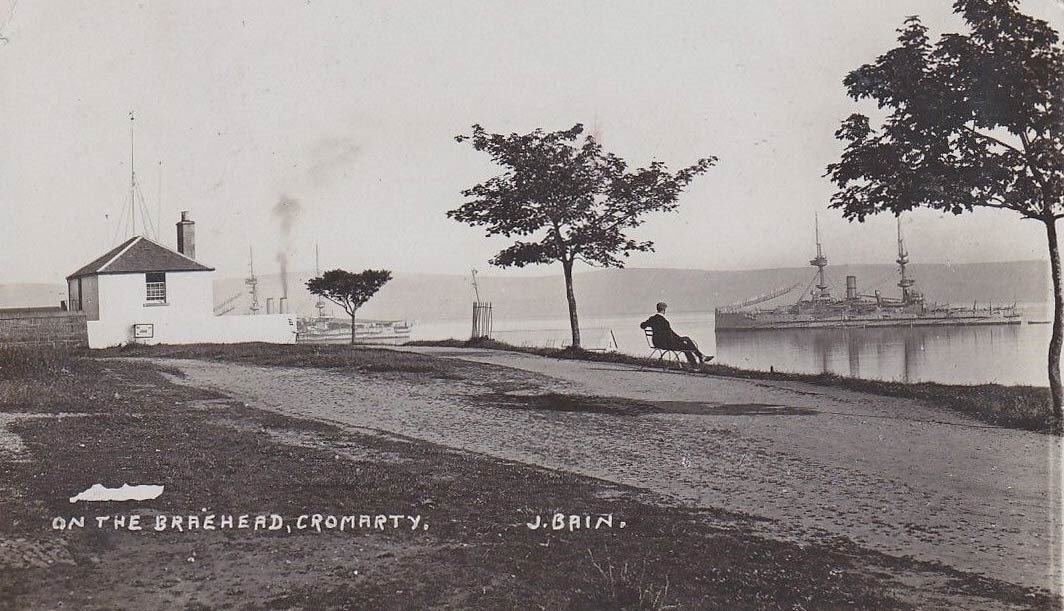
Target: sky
{"type": "Point", "coordinates": [283, 124]}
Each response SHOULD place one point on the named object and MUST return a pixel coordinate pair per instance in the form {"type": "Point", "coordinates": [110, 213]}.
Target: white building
{"type": "Point", "coordinates": [144, 292]}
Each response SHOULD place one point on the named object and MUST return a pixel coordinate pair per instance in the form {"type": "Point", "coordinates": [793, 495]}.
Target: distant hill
{"type": "Point", "coordinates": [634, 291]}
{"type": "Point", "coordinates": [617, 292]}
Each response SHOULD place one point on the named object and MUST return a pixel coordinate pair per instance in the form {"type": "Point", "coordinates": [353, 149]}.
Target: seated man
{"type": "Point", "coordinates": [666, 338]}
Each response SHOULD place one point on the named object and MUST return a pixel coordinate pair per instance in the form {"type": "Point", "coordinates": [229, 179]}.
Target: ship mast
{"type": "Point", "coordinates": [820, 262]}
{"type": "Point", "coordinates": [132, 179]}
{"type": "Point", "coordinates": [253, 283]}
{"type": "Point", "coordinates": [903, 258]}
{"type": "Point", "coordinates": [320, 306]}
{"type": "Point", "coordinates": [128, 221]}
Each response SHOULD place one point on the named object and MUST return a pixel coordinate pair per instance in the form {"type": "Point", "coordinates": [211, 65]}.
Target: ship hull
{"type": "Point", "coordinates": [342, 338]}
{"type": "Point", "coordinates": [747, 321]}
{"type": "Point", "coordinates": [338, 331]}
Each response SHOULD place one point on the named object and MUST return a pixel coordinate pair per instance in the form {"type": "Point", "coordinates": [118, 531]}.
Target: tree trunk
{"type": "Point", "coordinates": [574, 322]}
{"type": "Point", "coordinates": [1058, 323]}
{"type": "Point", "coordinates": [353, 327]}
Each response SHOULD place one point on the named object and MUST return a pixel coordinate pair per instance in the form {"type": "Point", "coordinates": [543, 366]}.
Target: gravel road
{"type": "Point", "coordinates": [890, 474]}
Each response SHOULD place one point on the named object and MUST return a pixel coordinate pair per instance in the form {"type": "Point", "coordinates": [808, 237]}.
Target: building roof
{"type": "Point", "coordinates": [138, 255]}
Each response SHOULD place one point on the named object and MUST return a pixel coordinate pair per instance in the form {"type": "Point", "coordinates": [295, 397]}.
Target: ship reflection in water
{"type": "Point", "coordinates": [1002, 354]}
{"type": "Point", "coordinates": [1007, 354]}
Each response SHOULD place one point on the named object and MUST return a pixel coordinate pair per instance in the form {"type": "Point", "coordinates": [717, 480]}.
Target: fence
{"type": "Point", "coordinates": [481, 320]}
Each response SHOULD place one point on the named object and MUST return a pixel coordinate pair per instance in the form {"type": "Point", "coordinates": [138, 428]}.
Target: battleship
{"type": "Point", "coordinates": [819, 309]}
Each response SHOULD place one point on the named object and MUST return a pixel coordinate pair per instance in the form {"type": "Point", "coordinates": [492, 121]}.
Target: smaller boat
{"type": "Point", "coordinates": [327, 330]}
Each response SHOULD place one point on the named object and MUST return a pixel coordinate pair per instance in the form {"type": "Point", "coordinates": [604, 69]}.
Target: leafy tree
{"type": "Point", "coordinates": [348, 290]}
{"type": "Point", "coordinates": [566, 201]}
{"type": "Point", "coordinates": [975, 120]}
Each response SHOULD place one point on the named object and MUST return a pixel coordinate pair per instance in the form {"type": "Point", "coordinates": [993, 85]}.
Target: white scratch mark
{"type": "Point", "coordinates": [97, 492]}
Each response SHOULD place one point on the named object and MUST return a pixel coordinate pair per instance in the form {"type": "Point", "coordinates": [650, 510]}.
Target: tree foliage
{"type": "Point", "coordinates": [349, 290]}
{"type": "Point", "coordinates": [573, 199]}
{"type": "Point", "coordinates": [565, 200]}
{"type": "Point", "coordinates": [974, 120]}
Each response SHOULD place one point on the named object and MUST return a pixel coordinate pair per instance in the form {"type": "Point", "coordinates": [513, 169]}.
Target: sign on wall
{"type": "Point", "coordinates": [143, 331]}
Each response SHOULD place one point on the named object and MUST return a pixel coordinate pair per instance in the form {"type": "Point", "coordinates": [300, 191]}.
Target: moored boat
{"type": "Point", "coordinates": [819, 309]}
{"type": "Point", "coordinates": [326, 330]}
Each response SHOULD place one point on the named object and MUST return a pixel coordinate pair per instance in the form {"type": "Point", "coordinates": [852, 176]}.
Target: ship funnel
{"type": "Point", "coordinates": [851, 287]}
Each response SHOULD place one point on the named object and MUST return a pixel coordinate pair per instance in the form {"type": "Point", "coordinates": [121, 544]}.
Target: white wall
{"type": "Point", "coordinates": [188, 295]}
{"type": "Point", "coordinates": [186, 317]}
{"type": "Point", "coordinates": [271, 328]}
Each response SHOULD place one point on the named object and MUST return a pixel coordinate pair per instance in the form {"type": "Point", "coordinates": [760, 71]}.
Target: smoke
{"type": "Point", "coordinates": [286, 211]}
{"type": "Point", "coordinates": [329, 158]}
{"type": "Point", "coordinates": [282, 261]}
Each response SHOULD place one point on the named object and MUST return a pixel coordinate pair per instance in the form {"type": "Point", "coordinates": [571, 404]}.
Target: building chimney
{"type": "Point", "coordinates": [186, 236]}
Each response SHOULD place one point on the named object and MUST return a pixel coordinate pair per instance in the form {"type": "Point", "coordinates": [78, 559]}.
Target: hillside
{"type": "Point", "coordinates": [633, 291]}
{"type": "Point", "coordinates": [617, 291]}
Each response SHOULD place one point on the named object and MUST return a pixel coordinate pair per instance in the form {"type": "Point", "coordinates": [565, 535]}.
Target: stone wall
{"type": "Point", "coordinates": [42, 327]}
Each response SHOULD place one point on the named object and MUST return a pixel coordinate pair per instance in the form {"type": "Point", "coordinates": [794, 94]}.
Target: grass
{"type": "Point", "coordinates": [33, 363]}
{"type": "Point", "coordinates": [48, 379]}
{"type": "Point", "coordinates": [323, 356]}
{"type": "Point", "coordinates": [623, 589]}
{"type": "Point", "coordinates": [1020, 407]}
{"type": "Point", "coordinates": [221, 456]}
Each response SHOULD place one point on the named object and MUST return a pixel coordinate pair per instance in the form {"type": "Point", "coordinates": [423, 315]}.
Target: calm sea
{"type": "Point", "coordinates": [1012, 354]}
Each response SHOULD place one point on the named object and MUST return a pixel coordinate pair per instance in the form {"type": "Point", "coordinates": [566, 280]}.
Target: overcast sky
{"type": "Point", "coordinates": [350, 109]}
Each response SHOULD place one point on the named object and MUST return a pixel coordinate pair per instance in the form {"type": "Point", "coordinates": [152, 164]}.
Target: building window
{"type": "Point", "coordinates": [155, 287]}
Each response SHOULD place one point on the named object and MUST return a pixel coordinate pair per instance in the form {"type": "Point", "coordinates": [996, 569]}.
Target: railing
{"type": "Point", "coordinates": [481, 320]}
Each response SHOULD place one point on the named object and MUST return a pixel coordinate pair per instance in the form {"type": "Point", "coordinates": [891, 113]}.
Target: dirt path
{"type": "Point", "coordinates": [889, 474]}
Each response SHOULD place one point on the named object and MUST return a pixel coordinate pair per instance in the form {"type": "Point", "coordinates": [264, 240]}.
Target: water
{"type": "Point", "coordinates": [1007, 354]}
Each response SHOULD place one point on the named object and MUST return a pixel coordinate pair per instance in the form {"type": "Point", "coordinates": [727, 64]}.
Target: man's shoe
{"type": "Point", "coordinates": [706, 359]}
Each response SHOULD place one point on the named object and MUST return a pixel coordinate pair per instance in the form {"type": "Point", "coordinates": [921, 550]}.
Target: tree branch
{"type": "Point", "coordinates": [1034, 169]}
{"type": "Point", "coordinates": [994, 140]}
{"type": "Point", "coordinates": [622, 219]}
{"type": "Point", "coordinates": [1000, 206]}
{"type": "Point", "coordinates": [564, 249]}
{"type": "Point", "coordinates": [345, 306]}
{"type": "Point", "coordinates": [585, 261]}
